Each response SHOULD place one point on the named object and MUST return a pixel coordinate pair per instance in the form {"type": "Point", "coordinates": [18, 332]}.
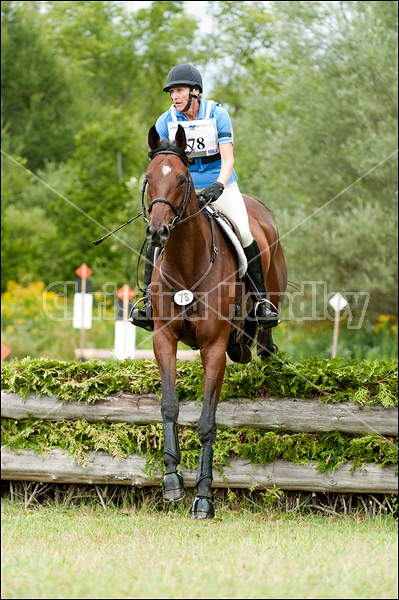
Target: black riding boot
{"type": "Point", "coordinates": [265, 316]}
{"type": "Point", "coordinates": [143, 317]}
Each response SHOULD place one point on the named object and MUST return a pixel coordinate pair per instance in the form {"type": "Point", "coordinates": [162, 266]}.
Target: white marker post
{"type": "Point", "coordinates": [338, 302]}
{"type": "Point", "coordinates": [82, 305]}
{"type": "Point", "coordinates": [125, 332]}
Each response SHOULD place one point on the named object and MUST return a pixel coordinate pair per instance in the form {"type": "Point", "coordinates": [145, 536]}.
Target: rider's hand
{"type": "Point", "coordinates": [212, 192]}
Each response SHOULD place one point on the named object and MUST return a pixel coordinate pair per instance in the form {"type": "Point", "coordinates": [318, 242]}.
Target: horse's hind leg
{"type": "Point", "coordinates": [214, 363]}
{"type": "Point", "coordinates": [165, 348]}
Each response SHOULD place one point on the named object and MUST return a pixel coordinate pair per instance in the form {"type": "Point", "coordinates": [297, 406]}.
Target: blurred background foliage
{"type": "Point", "coordinates": [312, 91]}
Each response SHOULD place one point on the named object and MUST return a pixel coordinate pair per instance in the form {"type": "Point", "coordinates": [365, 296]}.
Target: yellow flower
{"type": "Point", "coordinates": [7, 311]}
{"type": "Point", "coordinates": [384, 318]}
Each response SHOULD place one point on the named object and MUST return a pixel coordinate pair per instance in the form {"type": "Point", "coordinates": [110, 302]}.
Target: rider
{"type": "Point", "coordinates": [210, 140]}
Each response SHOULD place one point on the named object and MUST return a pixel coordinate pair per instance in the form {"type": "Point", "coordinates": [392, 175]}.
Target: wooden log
{"type": "Point", "coordinates": [98, 354]}
{"type": "Point", "coordinates": [282, 414]}
{"type": "Point", "coordinates": [237, 473]}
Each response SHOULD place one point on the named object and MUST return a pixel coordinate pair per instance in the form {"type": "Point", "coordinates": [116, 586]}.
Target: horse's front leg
{"type": "Point", "coordinates": [165, 349]}
{"type": "Point", "coordinates": [214, 363]}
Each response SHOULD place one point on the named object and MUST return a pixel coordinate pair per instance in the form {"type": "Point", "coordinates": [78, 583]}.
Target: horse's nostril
{"type": "Point", "coordinates": [164, 231]}
{"type": "Point", "coordinates": [157, 237]}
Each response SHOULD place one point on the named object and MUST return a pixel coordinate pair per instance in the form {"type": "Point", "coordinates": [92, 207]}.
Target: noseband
{"type": "Point", "coordinates": [178, 211]}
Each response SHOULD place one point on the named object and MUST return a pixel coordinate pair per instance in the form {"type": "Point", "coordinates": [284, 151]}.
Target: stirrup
{"type": "Point", "coordinates": [142, 317]}
{"type": "Point", "coordinates": [266, 322]}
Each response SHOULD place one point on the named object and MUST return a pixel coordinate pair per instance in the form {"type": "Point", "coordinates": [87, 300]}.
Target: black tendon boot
{"type": "Point", "coordinates": [142, 317]}
{"type": "Point", "coordinates": [265, 316]}
{"type": "Point", "coordinates": [202, 507]}
{"type": "Point", "coordinates": [173, 484]}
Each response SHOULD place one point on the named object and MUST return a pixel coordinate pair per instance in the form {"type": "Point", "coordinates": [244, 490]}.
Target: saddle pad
{"type": "Point", "coordinates": [227, 230]}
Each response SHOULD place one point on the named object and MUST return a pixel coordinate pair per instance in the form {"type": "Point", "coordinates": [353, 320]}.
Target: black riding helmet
{"type": "Point", "coordinates": [184, 75]}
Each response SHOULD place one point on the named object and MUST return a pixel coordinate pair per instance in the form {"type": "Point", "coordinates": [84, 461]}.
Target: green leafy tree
{"type": "Point", "coordinates": [39, 106]}
{"type": "Point", "coordinates": [15, 182]}
{"type": "Point", "coordinates": [109, 66]}
{"type": "Point", "coordinates": [320, 123]}
{"type": "Point", "coordinates": [97, 199]}
{"type": "Point", "coordinates": [243, 32]}
{"type": "Point", "coordinates": [123, 56]}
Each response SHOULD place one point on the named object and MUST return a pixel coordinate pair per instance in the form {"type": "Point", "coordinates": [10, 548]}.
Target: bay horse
{"type": "Point", "coordinates": [194, 297]}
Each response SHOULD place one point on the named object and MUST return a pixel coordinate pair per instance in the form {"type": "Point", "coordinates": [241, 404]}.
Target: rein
{"type": "Point", "coordinates": [178, 212]}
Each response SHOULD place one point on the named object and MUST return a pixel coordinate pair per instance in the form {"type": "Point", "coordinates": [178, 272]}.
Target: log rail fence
{"type": "Point", "coordinates": [288, 414]}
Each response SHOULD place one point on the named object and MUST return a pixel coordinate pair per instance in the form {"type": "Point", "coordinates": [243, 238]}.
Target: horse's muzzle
{"type": "Point", "coordinates": [157, 237]}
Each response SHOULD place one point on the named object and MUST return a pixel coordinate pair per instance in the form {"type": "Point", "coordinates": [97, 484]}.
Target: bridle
{"type": "Point", "coordinates": [178, 220]}
{"type": "Point", "coordinates": [178, 211]}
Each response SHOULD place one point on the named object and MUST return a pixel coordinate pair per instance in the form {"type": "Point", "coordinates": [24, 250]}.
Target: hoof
{"type": "Point", "coordinates": [173, 487]}
{"type": "Point", "coordinates": [239, 353]}
{"type": "Point", "coordinates": [202, 508]}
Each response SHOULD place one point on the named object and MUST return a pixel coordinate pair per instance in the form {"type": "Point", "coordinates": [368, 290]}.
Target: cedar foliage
{"type": "Point", "coordinates": [78, 438]}
{"type": "Point", "coordinates": [366, 382]}
{"type": "Point", "coordinates": [371, 382]}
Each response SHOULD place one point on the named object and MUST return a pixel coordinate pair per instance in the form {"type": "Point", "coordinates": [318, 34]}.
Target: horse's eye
{"type": "Point", "coordinates": [182, 180]}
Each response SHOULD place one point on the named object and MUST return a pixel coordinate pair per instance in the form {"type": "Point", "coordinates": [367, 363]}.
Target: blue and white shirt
{"type": "Point", "coordinates": [207, 162]}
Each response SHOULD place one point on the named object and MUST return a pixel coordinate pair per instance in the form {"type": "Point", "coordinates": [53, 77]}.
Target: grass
{"type": "Point", "coordinates": [88, 552]}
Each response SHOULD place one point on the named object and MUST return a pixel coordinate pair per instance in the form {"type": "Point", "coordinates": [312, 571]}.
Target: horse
{"type": "Point", "coordinates": [195, 288]}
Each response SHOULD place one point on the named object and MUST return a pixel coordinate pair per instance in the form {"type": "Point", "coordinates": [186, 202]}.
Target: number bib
{"type": "Point", "coordinates": [184, 297]}
{"type": "Point", "coordinates": [202, 136]}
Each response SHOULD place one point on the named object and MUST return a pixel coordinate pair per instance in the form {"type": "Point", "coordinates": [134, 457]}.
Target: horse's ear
{"type": "Point", "coordinates": [153, 138]}
{"type": "Point", "coordinates": [180, 138]}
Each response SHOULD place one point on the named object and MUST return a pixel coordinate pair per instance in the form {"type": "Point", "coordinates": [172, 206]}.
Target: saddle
{"type": "Point", "coordinates": [231, 231]}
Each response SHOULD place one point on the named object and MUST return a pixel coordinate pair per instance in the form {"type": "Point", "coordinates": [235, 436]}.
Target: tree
{"type": "Point", "coordinates": [243, 34]}
{"type": "Point", "coordinates": [124, 57]}
{"type": "Point", "coordinates": [111, 66]}
{"type": "Point", "coordinates": [320, 117]}
{"type": "Point", "coordinates": [39, 106]}
{"type": "Point", "coordinates": [30, 236]}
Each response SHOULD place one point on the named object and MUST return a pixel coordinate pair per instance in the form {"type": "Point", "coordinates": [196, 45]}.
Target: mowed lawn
{"type": "Point", "coordinates": [88, 552]}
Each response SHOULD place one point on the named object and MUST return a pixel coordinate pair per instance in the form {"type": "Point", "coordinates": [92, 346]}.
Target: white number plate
{"type": "Point", "coordinates": [202, 136]}
{"type": "Point", "coordinates": [184, 297]}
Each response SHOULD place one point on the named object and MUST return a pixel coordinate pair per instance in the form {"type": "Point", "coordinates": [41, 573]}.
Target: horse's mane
{"type": "Point", "coordinates": [167, 146]}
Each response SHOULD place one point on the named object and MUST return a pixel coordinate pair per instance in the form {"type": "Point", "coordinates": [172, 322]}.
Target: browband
{"type": "Point", "coordinates": [160, 151]}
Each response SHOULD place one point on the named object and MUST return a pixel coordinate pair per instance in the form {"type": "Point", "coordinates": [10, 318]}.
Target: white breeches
{"type": "Point", "coordinates": [231, 202]}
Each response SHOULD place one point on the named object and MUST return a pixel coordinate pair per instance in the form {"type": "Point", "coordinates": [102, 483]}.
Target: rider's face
{"type": "Point", "coordinates": [180, 97]}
